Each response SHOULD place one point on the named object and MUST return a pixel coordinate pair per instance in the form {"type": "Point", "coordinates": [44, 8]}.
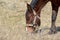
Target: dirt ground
{"type": "Point", "coordinates": [12, 21]}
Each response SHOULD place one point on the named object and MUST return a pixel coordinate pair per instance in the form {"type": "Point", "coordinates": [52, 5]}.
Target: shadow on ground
{"type": "Point", "coordinates": [45, 28]}
{"type": "Point", "coordinates": [58, 28]}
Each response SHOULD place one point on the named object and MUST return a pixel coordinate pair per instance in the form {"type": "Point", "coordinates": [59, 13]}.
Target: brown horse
{"type": "Point", "coordinates": [33, 14]}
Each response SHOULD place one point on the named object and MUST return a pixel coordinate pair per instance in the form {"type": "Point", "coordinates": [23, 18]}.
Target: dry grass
{"type": "Point", "coordinates": [12, 22]}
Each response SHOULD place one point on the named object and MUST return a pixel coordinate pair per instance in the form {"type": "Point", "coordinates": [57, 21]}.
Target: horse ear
{"type": "Point", "coordinates": [29, 7]}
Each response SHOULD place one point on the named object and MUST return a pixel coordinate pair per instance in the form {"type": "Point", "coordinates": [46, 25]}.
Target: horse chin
{"type": "Point", "coordinates": [29, 29]}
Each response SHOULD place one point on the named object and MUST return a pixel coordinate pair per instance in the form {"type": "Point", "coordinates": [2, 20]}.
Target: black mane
{"type": "Point", "coordinates": [33, 2]}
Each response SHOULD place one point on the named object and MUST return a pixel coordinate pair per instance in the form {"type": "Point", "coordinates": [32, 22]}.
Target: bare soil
{"type": "Point", "coordinates": [12, 21]}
